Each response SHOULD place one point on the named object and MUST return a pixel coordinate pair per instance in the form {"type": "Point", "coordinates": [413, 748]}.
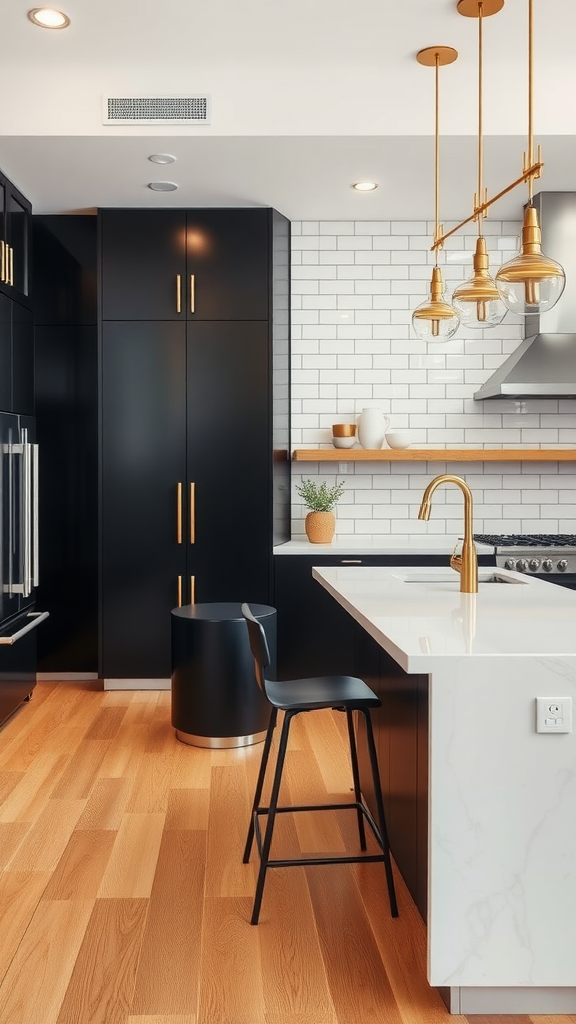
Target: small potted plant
{"type": "Point", "coordinates": [320, 522]}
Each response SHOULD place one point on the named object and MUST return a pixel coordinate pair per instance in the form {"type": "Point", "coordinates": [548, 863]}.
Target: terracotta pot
{"type": "Point", "coordinates": [320, 527]}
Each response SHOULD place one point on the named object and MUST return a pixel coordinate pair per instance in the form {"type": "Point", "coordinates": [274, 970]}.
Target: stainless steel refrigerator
{"type": "Point", "coordinates": [19, 560]}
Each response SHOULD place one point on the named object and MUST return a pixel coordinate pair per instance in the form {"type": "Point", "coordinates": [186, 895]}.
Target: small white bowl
{"type": "Point", "coordinates": [343, 442]}
{"type": "Point", "coordinates": [398, 439]}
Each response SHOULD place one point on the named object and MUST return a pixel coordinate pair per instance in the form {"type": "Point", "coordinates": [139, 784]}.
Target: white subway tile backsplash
{"type": "Point", "coordinates": [354, 287]}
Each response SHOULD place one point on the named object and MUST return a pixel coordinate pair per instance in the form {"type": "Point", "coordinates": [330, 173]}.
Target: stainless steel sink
{"type": "Point", "coordinates": [452, 577]}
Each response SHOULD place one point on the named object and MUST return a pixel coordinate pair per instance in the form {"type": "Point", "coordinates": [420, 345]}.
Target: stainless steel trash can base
{"type": "Point", "coordinates": [215, 698]}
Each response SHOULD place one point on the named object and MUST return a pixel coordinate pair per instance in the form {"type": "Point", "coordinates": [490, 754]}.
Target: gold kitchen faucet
{"type": "Point", "coordinates": [465, 563]}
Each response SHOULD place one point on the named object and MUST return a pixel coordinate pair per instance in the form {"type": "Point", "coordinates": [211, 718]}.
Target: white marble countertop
{"type": "Point", "coordinates": [419, 623]}
{"type": "Point", "coordinates": [414, 544]}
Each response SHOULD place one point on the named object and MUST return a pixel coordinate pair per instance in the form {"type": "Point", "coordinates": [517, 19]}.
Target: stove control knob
{"type": "Point", "coordinates": [510, 563]}
{"type": "Point", "coordinates": [547, 565]}
{"type": "Point", "coordinates": [562, 565]}
{"type": "Point", "coordinates": [534, 564]}
{"type": "Point", "coordinates": [522, 565]}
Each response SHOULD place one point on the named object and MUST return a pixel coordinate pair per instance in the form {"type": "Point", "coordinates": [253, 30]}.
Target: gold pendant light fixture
{"type": "Point", "coordinates": [531, 282]}
{"type": "Point", "coordinates": [478, 300]}
{"type": "Point", "coordinates": [436, 320]}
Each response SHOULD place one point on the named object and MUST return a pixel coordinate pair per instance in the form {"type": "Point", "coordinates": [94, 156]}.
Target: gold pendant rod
{"type": "Point", "coordinates": [530, 173]}
{"type": "Point", "coordinates": [530, 97]}
{"type": "Point", "coordinates": [480, 126]}
{"type": "Point", "coordinates": [437, 149]}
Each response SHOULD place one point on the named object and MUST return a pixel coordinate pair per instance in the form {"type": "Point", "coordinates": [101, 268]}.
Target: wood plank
{"type": "Point", "coordinates": [168, 975]}
{"type": "Point", "coordinates": [11, 836]}
{"type": "Point", "coordinates": [29, 797]}
{"type": "Point", "coordinates": [317, 831]}
{"type": "Point", "coordinates": [188, 809]}
{"type": "Point", "coordinates": [20, 892]}
{"type": "Point", "coordinates": [296, 988]}
{"type": "Point", "coordinates": [130, 870]}
{"type": "Point", "coordinates": [331, 739]}
{"type": "Point", "coordinates": [106, 723]}
{"type": "Point", "coordinates": [45, 842]}
{"type": "Point", "coordinates": [102, 983]}
{"type": "Point", "coordinates": [81, 866]}
{"type": "Point", "coordinates": [232, 983]}
{"type": "Point", "coordinates": [36, 981]}
{"type": "Point", "coordinates": [106, 804]}
{"type": "Point", "coordinates": [7, 782]}
{"type": "Point", "coordinates": [124, 755]}
{"type": "Point", "coordinates": [163, 1018]}
{"type": "Point", "coordinates": [153, 784]}
{"type": "Point", "coordinates": [77, 779]}
{"type": "Point", "coordinates": [226, 875]}
{"type": "Point", "coordinates": [434, 455]}
{"type": "Point", "coordinates": [360, 989]}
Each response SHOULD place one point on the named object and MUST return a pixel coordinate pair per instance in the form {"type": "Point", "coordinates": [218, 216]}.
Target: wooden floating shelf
{"type": "Point", "coordinates": [434, 455]}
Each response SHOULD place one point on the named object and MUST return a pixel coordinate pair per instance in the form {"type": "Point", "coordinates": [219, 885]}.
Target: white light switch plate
{"type": "Point", "coordinates": [553, 714]}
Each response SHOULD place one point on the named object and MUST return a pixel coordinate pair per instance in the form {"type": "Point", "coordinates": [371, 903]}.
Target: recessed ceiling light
{"type": "Point", "coordinates": [162, 186]}
{"type": "Point", "coordinates": [365, 186]}
{"type": "Point", "coordinates": [48, 17]}
{"type": "Point", "coordinates": [162, 158]}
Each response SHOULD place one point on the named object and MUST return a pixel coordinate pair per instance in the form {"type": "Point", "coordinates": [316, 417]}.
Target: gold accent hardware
{"type": "Point", "coordinates": [178, 293]}
{"type": "Point", "coordinates": [436, 309]}
{"type": "Point", "coordinates": [2, 262]}
{"type": "Point", "coordinates": [465, 563]}
{"type": "Point", "coordinates": [192, 513]}
{"type": "Point", "coordinates": [179, 592]}
{"type": "Point", "coordinates": [192, 293]}
{"type": "Point", "coordinates": [192, 590]}
{"type": "Point", "coordinates": [179, 513]}
{"type": "Point", "coordinates": [11, 265]}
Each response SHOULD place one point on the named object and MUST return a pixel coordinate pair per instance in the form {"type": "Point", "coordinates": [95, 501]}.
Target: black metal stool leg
{"type": "Point", "coordinates": [264, 855]}
{"type": "Point", "coordinates": [356, 777]}
{"type": "Point", "coordinates": [260, 783]}
{"type": "Point", "coordinates": [381, 816]}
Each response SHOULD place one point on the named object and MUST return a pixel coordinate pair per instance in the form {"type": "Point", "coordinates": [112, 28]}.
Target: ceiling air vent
{"type": "Point", "coordinates": [156, 110]}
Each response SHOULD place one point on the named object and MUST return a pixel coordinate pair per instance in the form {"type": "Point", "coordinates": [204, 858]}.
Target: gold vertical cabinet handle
{"type": "Point", "coordinates": [192, 590]}
{"type": "Point", "coordinates": [192, 293]}
{"type": "Point", "coordinates": [179, 512]}
{"type": "Point", "coordinates": [178, 293]}
{"type": "Point", "coordinates": [192, 513]}
{"type": "Point", "coordinates": [2, 262]}
{"type": "Point", "coordinates": [179, 592]}
{"type": "Point", "coordinates": [11, 265]}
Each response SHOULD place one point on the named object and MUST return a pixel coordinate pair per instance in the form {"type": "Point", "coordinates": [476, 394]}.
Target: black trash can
{"type": "Point", "coordinates": [216, 701]}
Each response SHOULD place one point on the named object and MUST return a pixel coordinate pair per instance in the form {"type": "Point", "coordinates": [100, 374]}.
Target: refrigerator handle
{"type": "Point", "coordinates": [35, 518]}
{"type": "Point", "coordinates": [35, 619]}
{"type": "Point", "coordinates": [27, 518]}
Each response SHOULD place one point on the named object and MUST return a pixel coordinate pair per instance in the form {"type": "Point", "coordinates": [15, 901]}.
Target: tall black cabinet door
{"type": "Point", "coordinates": [229, 460]}
{"type": "Point", "coordinates": [5, 354]}
{"type": "Point", "coordinates": [22, 360]}
{"type": "Point", "coordinates": [228, 264]}
{"type": "Point", "coordinates": [143, 458]}
{"type": "Point", "coordinates": [143, 264]}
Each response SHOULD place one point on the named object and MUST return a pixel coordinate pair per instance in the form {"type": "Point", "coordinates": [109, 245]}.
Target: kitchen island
{"type": "Point", "coordinates": [500, 854]}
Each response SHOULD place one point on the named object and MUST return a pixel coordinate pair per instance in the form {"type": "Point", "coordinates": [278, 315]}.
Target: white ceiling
{"type": "Point", "coordinates": [306, 98]}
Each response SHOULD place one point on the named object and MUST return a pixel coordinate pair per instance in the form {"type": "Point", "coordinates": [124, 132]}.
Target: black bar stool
{"type": "Point", "coordinates": [341, 693]}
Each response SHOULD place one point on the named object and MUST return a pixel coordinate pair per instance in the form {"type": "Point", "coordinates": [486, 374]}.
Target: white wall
{"type": "Point", "coordinates": [355, 285]}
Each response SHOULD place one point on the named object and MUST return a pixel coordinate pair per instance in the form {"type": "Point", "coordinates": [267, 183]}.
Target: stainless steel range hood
{"type": "Point", "coordinates": [544, 364]}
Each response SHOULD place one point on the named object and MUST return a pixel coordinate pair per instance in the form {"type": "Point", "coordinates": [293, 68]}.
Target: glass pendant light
{"type": "Point", "coordinates": [435, 320]}
{"type": "Point", "coordinates": [531, 282]}
{"type": "Point", "coordinates": [478, 300]}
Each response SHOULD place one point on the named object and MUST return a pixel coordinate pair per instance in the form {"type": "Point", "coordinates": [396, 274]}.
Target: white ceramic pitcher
{"type": "Point", "coordinates": [372, 427]}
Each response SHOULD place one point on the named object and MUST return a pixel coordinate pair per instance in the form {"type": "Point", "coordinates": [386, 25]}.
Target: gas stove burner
{"type": "Point", "coordinates": [533, 540]}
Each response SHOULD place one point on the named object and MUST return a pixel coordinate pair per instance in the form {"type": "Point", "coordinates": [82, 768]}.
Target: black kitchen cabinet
{"type": "Point", "coordinates": [15, 242]}
{"type": "Point", "coordinates": [16, 357]}
{"type": "Point", "coordinates": [194, 464]}
{"type": "Point", "coordinates": [207, 264]}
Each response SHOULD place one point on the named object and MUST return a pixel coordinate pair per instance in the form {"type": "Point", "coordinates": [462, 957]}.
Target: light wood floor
{"type": "Point", "coordinates": [123, 895]}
